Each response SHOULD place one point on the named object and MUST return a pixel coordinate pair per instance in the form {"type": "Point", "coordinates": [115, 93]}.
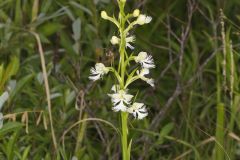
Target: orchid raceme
{"type": "Point", "coordinates": [122, 98]}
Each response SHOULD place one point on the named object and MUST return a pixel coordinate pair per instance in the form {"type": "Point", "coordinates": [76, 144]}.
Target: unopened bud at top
{"type": "Point", "coordinates": [123, 1]}
{"type": "Point", "coordinates": [104, 15]}
{"type": "Point", "coordinates": [136, 13]}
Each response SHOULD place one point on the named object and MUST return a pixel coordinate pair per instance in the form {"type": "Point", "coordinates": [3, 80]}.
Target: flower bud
{"type": "Point", "coordinates": [123, 1]}
{"type": "Point", "coordinates": [114, 40]}
{"type": "Point", "coordinates": [104, 15]}
{"type": "Point", "coordinates": [136, 13]}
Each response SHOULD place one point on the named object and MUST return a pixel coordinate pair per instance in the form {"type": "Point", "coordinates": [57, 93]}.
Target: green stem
{"type": "Point", "coordinates": [220, 132]}
{"type": "Point", "coordinates": [122, 51]}
{"type": "Point", "coordinates": [219, 146]}
{"type": "Point", "coordinates": [124, 139]}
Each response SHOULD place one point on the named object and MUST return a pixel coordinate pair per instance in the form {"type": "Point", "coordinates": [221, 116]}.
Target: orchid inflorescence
{"type": "Point", "coordinates": [121, 98]}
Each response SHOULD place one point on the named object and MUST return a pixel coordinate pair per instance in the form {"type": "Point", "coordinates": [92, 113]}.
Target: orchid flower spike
{"type": "Point", "coordinates": [98, 71]}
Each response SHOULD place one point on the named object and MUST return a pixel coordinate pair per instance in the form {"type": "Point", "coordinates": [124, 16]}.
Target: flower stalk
{"type": "Point", "coordinates": [121, 98]}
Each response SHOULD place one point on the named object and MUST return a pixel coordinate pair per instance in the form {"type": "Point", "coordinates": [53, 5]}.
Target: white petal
{"type": "Point", "coordinates": [144, 71]}
{"type": "Point", "coordinates": [150, 81]}
{"type": "Point", "coordinates": [141, 57]}
{"type": "Point", "coordinates": [129, 46]}
{"type": "Point", "coordinates": [130, 39]}
{"type": "Point", "coordinates": [94, 77]}
{"type": "Point", "coordinates": [141, 115]}
{"type": "Point", "coordinates": [128, 98]}
{"type": "Point", "coordinates": [138, 110]}
{"type": "Point", "coordinates": [120, 107]}
{"type": "Point", "coordinates": [114, 40]}
{"type": "Point", "coordinates": [148, 19]}
{"type": "Point", "coordinates": [97, 72]}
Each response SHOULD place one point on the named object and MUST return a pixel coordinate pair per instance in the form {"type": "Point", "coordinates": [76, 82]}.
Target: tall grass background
{"type": "Point", "coordinates": [193, 110]}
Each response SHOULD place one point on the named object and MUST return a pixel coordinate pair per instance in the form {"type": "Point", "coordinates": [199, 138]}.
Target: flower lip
{"type": "Point", "coordinates": [138, 110]}
{"type": "Point", "coordinates": [142, 73]}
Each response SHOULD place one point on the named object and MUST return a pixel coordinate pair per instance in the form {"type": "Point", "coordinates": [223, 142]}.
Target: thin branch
{"type": "Point", "coordinates": [45, 76]}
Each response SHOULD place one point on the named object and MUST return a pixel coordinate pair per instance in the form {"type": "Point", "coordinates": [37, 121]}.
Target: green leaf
{"type": "Point", "coordinates": [8, 127]}
{"type": "Point", "coordinates": [81, 7]}
{"type": "Point", "coordinates": [3, 98]}
{"type": "Point", "coordinates": [20, 85]}
{"type": "Point", "coordinates": [67, 44]}
{"type": "Point", "coordinates": [165, 131]}
{"type": "Point", "coordinates": [11, 145]}
{"type": "Point", "coordinates": [18, 12]}
{"type": "Point", "coordinates": [25, 153]}
{"type": "Point", "coordinates": [1, 72]}
{"type": "Point", "coordinates": [50, 28]}
{"type": "Point", "coordinates": [129, 149]}
{"type": "Point", "coordinates": [76, 26]}
{"type": "Point", "coordinates": [12, 68]}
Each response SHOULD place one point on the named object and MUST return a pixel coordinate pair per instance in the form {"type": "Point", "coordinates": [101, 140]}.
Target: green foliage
{"type": "Point", "coordinates": [182, 107]}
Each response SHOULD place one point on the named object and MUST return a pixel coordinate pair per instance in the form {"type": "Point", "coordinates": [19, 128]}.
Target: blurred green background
{"type": "Point", "coordinates": [185, 39]}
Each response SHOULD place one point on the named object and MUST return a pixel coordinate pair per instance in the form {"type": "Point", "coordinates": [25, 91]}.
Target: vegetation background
{"type": "Point", "coordinates": [193, 110]}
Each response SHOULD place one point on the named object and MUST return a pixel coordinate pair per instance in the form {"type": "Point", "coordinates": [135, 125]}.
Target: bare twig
{"type": "Point", "coordinates": [45, 76]}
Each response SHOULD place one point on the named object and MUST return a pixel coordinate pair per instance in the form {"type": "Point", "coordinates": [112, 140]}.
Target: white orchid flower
{"type": "Point", "coordinates": [131, 39]}
{"type": "Point", "coordinates": [141, 75]}
{"type": "Point", "coordinates": [98, 71]}
{"type": "Point", "coordinates": [138, 110]}
{"type": "Point", "coordinates": [114, 40]}
{"type": "Point", "coordinates": [145, 60]}
{"type": "Point", "coordinates": [120, 99]}
{"type": "Point", "coordinates": [143, 19]}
